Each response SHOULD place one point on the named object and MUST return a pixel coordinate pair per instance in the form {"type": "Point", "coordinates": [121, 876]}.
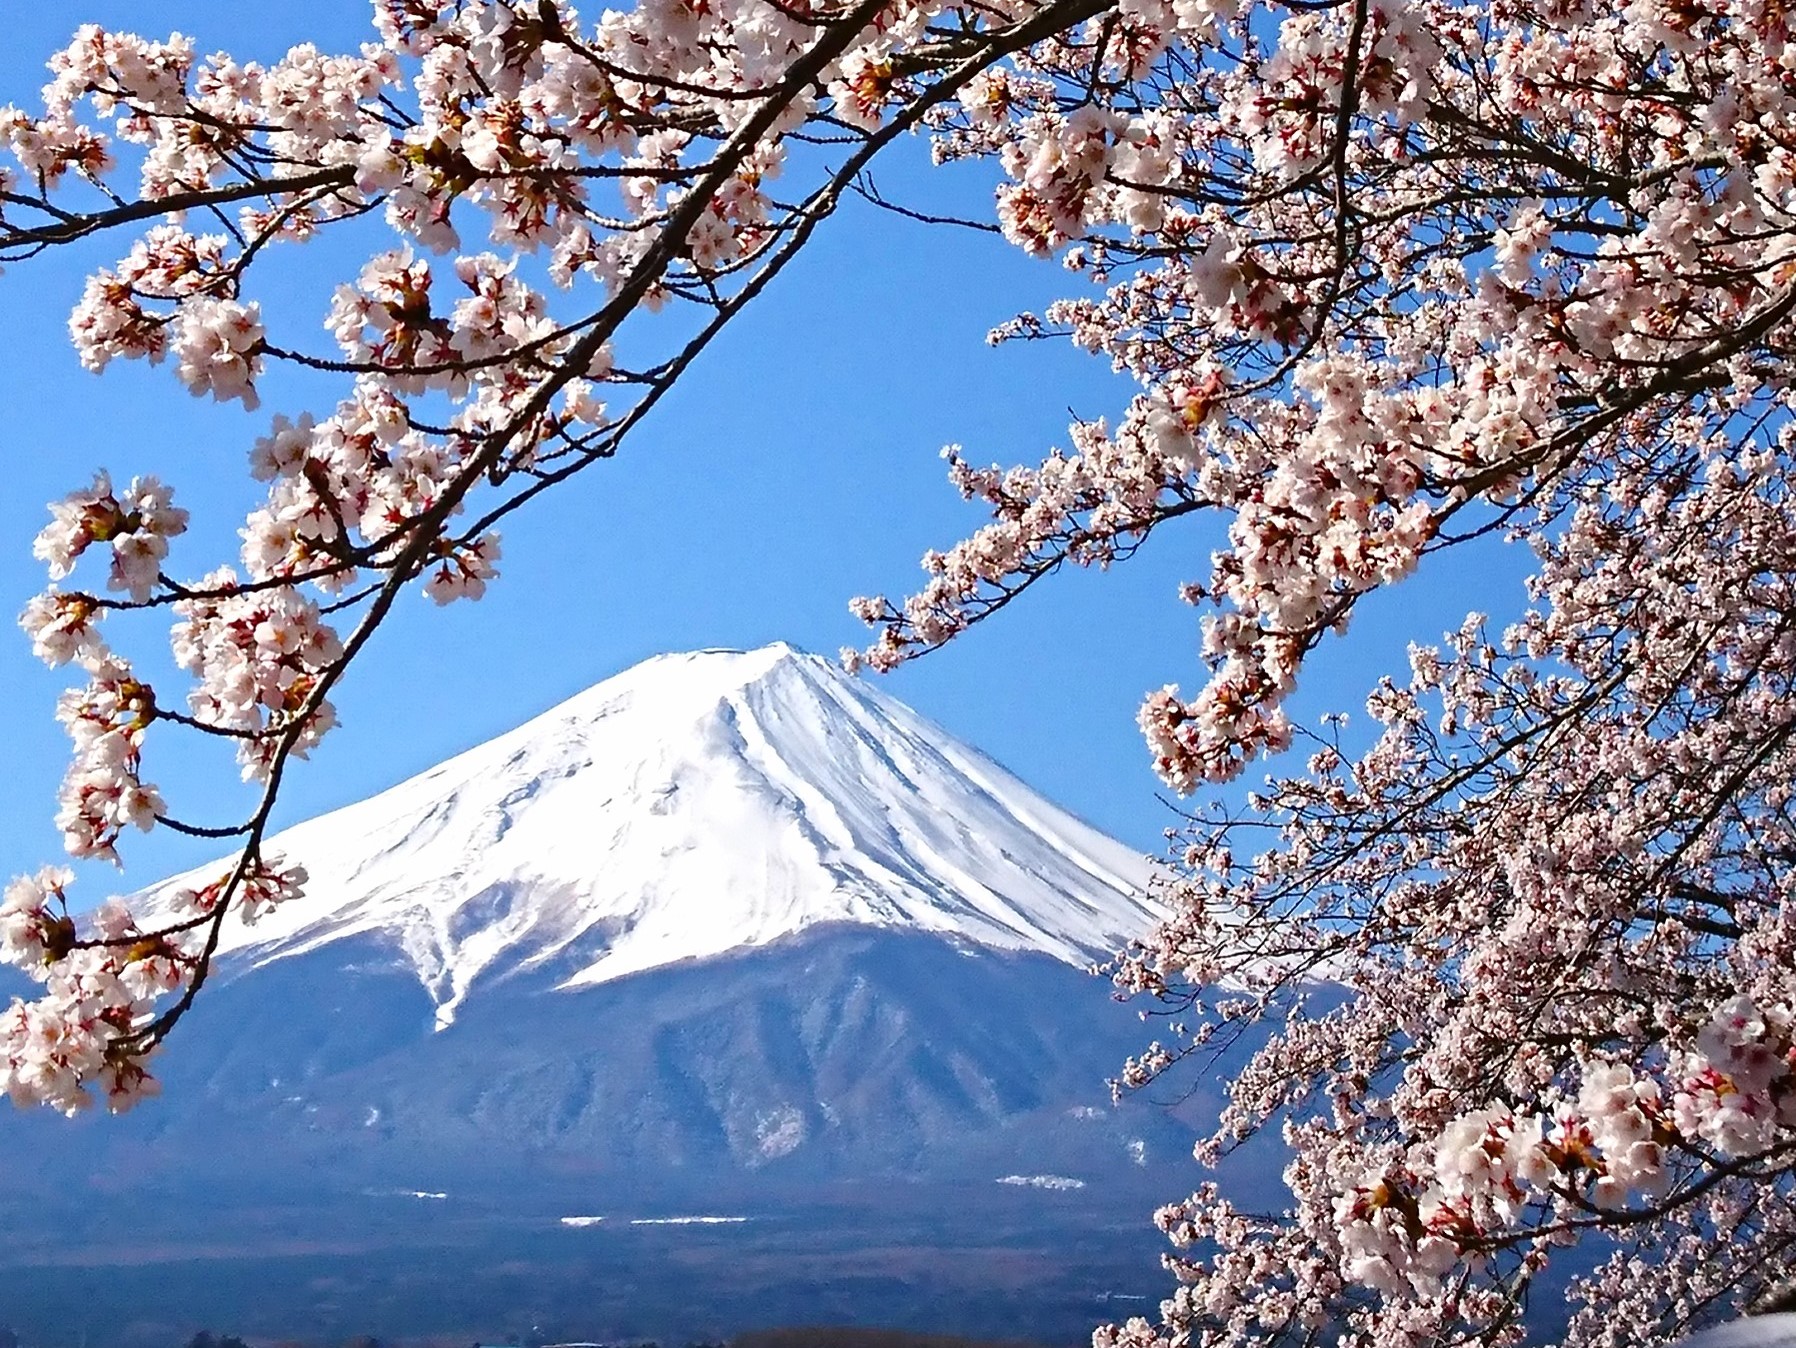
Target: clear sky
{"type": "Point", "coordinates": [799, 467]}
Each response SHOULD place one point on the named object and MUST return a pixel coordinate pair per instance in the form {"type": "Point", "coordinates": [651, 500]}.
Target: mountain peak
{"type": "Point", "coordinates": [691, 806]}
{"type": "Point", "coordinates": [695, 675]}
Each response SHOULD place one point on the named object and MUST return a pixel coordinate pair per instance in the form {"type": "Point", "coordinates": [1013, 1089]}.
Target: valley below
{"type": "Point", "coordinates": [1045, 1267]}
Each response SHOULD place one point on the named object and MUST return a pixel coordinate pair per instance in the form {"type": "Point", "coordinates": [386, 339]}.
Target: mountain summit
{"type": "Point", "coordinates": [692, 806]}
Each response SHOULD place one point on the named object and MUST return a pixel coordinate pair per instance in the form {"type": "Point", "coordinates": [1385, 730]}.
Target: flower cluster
{"type": "Point", "coordinates": [96, 992]}
{"type": "Point", "coordinates": [64, 628]}
{"type": "Point", "coordinates": [103, 792]}
{"type": "Point", "coordinates": [1738, 1091]}
{"type": "Point", "coordinates": [464, 571]}
{"type": "Point", "coordinates": [137, 523]}
{"type": "Point", "coordinates": [167, 264]}
{"type": "Point", "coordinates": [34, 926]}
{"type": "Point", "coordinates": [218, 346]}
{"type": "Point", "coordinates": [266, 888]}
{"type": "Point", "coordinates": [257, 656]}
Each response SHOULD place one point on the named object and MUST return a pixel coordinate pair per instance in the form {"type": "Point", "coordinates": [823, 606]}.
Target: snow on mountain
{"type": "Point", "coordinates": [695, 805]}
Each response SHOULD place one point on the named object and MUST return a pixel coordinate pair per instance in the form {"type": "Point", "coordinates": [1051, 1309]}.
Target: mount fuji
{"type": "Point", "coordinates": [693, 806]}
{"type": "Point", "coordinates": [729, 935]}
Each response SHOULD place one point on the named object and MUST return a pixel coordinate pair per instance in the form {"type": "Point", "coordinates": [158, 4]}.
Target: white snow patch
{"type": "Point", "coordinates": [581, 1221]}
{"type": "Point", "coordinates": [687, 1221]}
{"type": "Point", "coordinates": [1058, 1182]}
{"type": "Point", "coordinates": [689, 807]}
{"type": "Point", "coordinates": [1138, 1151]}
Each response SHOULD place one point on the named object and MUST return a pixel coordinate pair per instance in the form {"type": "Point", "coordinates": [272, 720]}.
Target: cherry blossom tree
{"type": "Point", "coordinates": [1391, 277]}
{"type": "Point", "coordinates": [1394, 278]}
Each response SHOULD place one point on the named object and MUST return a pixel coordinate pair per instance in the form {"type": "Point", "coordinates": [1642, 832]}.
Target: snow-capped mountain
{"type": "Point", "coordinates": [729, 934]}
{"type": "Point", "coordinates": [694, 805]}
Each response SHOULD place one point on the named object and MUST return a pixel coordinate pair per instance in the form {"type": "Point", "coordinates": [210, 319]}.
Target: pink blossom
{"type": "Point", "coordinates": [218, 344]}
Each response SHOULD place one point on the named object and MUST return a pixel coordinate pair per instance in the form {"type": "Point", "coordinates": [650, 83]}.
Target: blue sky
{"type": "Point", "coordinates": [799, 467]}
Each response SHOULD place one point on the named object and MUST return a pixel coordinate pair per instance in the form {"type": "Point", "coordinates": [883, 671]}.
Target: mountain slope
{"type": "Point", "coordinates": [694, 805]}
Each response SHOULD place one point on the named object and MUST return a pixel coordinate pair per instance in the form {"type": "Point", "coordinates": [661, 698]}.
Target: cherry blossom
{"type": "Point", "coordinates": [1391, 282]}
{"type": "Point", "coordinates": [218, 344]}
{"type": "Point", "coordinates": [137, 523]}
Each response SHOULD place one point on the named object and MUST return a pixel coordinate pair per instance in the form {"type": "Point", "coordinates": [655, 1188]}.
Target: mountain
{"type": "Point", "coordinates": [694, 806]}
{"type": "Point", "coordinates": [729, 935]}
